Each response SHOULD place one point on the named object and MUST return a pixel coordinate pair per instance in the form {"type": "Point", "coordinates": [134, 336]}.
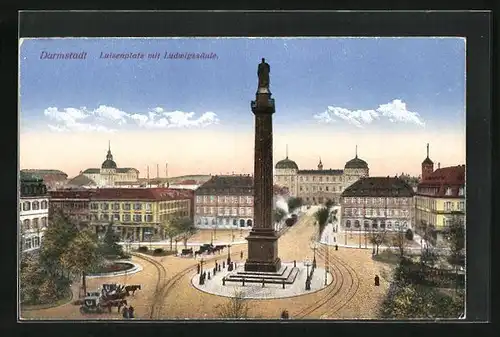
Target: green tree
{"type": "Point", "coordinates": [110, 246]}
{"type": "Point", "coordinates": [31, 277]}
{"type": "Point", "coordinates": [279, 214]}
{"type": "Point", "coordinates": [294, 203]}
{"type": "Point", "coordinates": [321, 216]}
{"type": "Point", "coordinates": [455, 236]}
{"type": "Point", "coordinates": [48, 291]}
{"type": "Point", "coordinates": [329, 204]}
{"type": "Point", "coordinates": [60, 232]}
{"type": "Point", "coordinates": [83, 255]}
{"type": "Point", "coordinates": [186, 227]}
{"type": "Point", "coordinates": [171, 231]}
{"type": "Point", "coordinates": [399, 241]}
{"type": "Point", "coordinates": [235, 307]}
{"type": "Point", "coordinates": [378, 237]}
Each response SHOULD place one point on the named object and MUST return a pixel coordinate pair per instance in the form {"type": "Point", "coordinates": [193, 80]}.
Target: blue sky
{"type": "Point", "coordinates": [307, 76]}
{"type": "Point", "coordinates": [371, 92]}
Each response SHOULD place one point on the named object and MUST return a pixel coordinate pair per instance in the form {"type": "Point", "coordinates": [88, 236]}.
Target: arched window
{"type": "Point", "coordinates": [44, 222]}
{"type": "Point", "coordinates": [382, 224]}
{"type": "Point", "coordinates": [389, 224]}
{"type": "Point", "coordinates": [36, 205]}
{"type": "Point", "coordinates": [356, 224]}
{"type": "Point", "coordinates": [26, 206]}
{"type": "Point", "coordinates": [366, 224]}
{"type": "Point", "coordinates": [249, 223]}
{"type": "Point", "coordinates": [348, 223]}
{"type": "Point", "coordinates": [242, 223]}
{"type": "Point", "coordinates": [405, 224]}
{"type": "Point", "coordinates": [45, 204]}
{"type": "Point", "coordinates": [26, 224]}
{"type": "Point", "coordinates": [396, 224]}
{"type": "Point", "coordinates": [374, 224]}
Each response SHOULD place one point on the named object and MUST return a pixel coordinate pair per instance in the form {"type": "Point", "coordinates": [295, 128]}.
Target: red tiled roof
{"type": "Point", "coordinates": [69, 194]}
{"type": "Point", "coordinates": [441, 180]}
{"type": "Point", "coordinates": [124, 194]}
{"type": "Point", "coordinates": [138, 194]}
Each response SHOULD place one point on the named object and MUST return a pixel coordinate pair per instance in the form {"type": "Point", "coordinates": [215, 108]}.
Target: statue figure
{"type": "Point", "coordinates": [263, 72]}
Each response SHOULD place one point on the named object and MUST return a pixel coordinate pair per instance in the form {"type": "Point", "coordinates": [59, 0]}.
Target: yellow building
{"type": "Point", "coordinates": [134, 212]}
{"type": "Point", "coordinates": [440, 196]}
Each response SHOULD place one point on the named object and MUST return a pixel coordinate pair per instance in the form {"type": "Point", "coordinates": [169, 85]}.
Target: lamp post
{"type": "Point", "coordinates": [201, 271]}
{"type": "Point", "coordinates": [228, 254]}
{"type": "Point", "coordinates": [327, 263]}
{"type": "Point", "coordinates": [314, 246]}
{"type": "Point", "coordinates": [150, 236]}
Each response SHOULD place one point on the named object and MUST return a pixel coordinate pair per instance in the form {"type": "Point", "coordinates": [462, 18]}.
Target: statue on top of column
{"type": "Point", "coordinates": [263, 73]}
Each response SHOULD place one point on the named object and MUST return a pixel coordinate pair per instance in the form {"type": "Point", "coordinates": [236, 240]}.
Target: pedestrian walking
{"type": "Point", "coordinates": [131, 312]}
{"type": "Point", "coordinates": [126, 313]}
{"type": "Point", "coordinates": [241, 255]}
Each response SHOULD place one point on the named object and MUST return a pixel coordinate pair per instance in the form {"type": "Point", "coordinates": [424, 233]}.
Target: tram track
{"type": "Point", "coordinates": [164, 288]}
{"type": "Point", "coordinates": [343, 276]}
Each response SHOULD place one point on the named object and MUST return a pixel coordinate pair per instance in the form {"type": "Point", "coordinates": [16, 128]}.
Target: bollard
{"type": "Point", "coordinates": [263, 283]}
{"type": "Point", "coordinates": [224, 281]}
{"type": "Point", "coordinates": [209, 275]}
{"type": "Point", "coordinates": [294, 263]}
{"type": "Point", "coordinates": [223, 264]}
{"type": "Point", "coordinates": [219, 268]}
{"type": "Point", "coordinates": [243, 280]}
{"type": "Point", "coordinates": [336, 247]}
{"type": "Point", "coordinates": [283, 284]}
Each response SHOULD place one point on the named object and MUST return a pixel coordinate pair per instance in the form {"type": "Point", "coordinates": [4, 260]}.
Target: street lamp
{"type": "Point", "coordinates": [314, 246]}
{"type": "Point", "coordinates": [327, 263]}
{"type": "Point", "coordinates": [228, 254]}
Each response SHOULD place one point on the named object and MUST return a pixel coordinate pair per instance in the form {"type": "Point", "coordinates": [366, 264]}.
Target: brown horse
{"type": "Point", "coordinates": [132, 288]}
{"type": "Point", "coordinates": [114, 303]}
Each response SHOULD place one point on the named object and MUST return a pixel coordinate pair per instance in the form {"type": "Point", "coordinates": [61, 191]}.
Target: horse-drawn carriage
{"type": "Point", "coordinates": [111, 295]}
{"type": "Point", "coordinates": [92, 304]}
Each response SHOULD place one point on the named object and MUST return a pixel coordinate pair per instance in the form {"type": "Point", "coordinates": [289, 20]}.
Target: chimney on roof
{"type": "Point", "coordinates": [439, 166]}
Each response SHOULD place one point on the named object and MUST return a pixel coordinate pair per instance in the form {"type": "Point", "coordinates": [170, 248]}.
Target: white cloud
{"type": "Point", "coordinates": [394, 111]}
{"type": "Point", "coordinates": [106, 119]}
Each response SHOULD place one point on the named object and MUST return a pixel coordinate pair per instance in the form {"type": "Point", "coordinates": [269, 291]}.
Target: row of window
{"type": "Point", "coordinates": [35, 223]}
{"type": "Point", "coordinates": [435, 190]}
{"type": "Point", "coordinates": [376, 212]}
{"type": "Point", "coordinates": [124, 217]}
{"type": "Point", "coordinates": [33, 205]}
{"type": "Point", "coordinates": [234, 211]}
{"type": "Point", "coordinates": [31, 243]}
{"type": "Point", "coordinates": [375, 224]}
{"type": "Point", "coordinates": [224, 199]}
{"type": "Point", "coordinates": [376, 201]}
{"type": "Point", "coordinates": [125, 206]}
{"type": "Point", "coordinates": [450, 206]}
{"type": "Point", "coordinates": [224, 222]}
{"type": "Point", "coordinates": [331, 188]}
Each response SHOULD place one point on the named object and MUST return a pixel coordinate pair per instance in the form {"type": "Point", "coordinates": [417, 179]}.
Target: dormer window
{"type": "Point", "coordinates": [448, 191]}
{"type": "Point", "coordinates": [461, 191]}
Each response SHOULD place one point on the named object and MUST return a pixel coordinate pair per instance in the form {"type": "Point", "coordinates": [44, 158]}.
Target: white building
{"type": "Point", "coordinates": [33, 212]}
{"type": "Point", "coordinates": [109, 174]}
{"type": "Point", "coordinates": [316, 186]}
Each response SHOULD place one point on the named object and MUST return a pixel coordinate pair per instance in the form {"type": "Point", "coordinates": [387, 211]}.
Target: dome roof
{"type": "Point", "coordinates": [286, 164]}
{"type": "Point", "coordinates": [108, 164]}
{"type": "Point", "coordinates": [356, 163]}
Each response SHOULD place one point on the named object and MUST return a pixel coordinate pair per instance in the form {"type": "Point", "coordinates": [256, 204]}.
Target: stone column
{"type": "Point", "coordinates": [262, 240]}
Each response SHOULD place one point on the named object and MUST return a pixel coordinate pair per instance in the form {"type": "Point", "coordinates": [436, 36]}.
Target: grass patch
{"type": "Point", "coordinates": [387, 256]}
{"type": "Point", "coordinates": [63, 300]}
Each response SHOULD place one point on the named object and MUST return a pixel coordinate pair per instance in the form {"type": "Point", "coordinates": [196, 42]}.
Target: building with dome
{"type": "Point", "coordinates": [109, 174]}
{"type": "Point", "coordinates": [316, 186]}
